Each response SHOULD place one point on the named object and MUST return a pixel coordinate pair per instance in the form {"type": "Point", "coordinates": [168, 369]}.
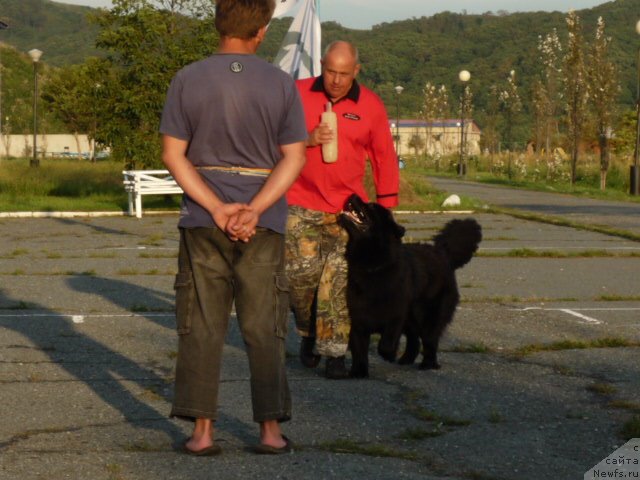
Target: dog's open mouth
{"type": "Point", "coordinates": [355, 212]}
{"type": "Point", "coordinates": [356, 217]}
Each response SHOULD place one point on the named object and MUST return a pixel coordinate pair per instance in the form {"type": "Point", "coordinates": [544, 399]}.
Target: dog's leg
{"type": "Point", "coordinates": [412, 348]}
{"type": "Point", "coordinates": [390, 338]}
{"type": "Point", "coordinates": [430, 355]}
{"type": "Point", "coordinates": [434, 329]}
{"type": "Point", "coordinates": [359, 342]}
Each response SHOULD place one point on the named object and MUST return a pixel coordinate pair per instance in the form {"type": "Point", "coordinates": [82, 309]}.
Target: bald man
{"type": "Point", "coordinates": [315, 243]}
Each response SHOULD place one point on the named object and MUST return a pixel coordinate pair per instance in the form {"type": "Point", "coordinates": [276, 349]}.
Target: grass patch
{"type": "Point", "coordinates": [142, 446]}
{"type": "Point", "coordinates": [421, 413]}
{"type": "Point", "coordinates": [102, 255]}
{"type": "Point", "coordinates": [145, 308]}
{"type": "Point", "coordinates": [69, 185]}
{"type": "Point", "coordinates": [155, 240]}
{"type": "Point", "coordinates": [495, 416]}
{"type": "Point", "coordinates": [625, 405]}
{"type": "Point", "coordinates": [471, 348]}
{"type": "Point", "coordinates": [563, 222]}
{"type": "Point", "coordinates": [128, 271]}
{"type": "Point", "coordinates": [19, 306]}
{"type": "Point", "coordinates": [575, 345]}
{"type": "Point", "coordinates": [604, 389]}
{"type": "Point", "coordinates": [618, 298]}
{"type": "Point", "coordinates": [530, 253]}
{"type": "Point", "coordinates": [158, 255]}
{"type": "Point", "coordinates": [631, 429]}
{"type": "Point", "coordinates": [420, 433]}
{"type": "Point", "coordinates": [368, 449]}
{"type": "Point", "coordinates": [513, 299]}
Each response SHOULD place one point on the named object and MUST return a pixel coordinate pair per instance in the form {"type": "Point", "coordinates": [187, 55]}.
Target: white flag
{"type": "Point", "coordinates": [283, 6]}
{"type": "Point", "coordinates": [299, 53]}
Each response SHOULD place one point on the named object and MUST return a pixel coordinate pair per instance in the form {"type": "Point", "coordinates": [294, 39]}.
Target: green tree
{"type": "Point", "coordinates": [146, 42]}
{"type": "Point", "coordinates": [575, 88]}
{"type": "Point", "coordinates": [604, 89]}
{"type": "Point", "coordinates": [67, 95]}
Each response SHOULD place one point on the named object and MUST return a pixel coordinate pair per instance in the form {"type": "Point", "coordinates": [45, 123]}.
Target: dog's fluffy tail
{"type": "Point", "coordinates": [460, 239]}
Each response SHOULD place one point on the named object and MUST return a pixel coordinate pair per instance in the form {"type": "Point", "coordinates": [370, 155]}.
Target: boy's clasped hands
{"type": "Point", "coordinates": [237, 220]}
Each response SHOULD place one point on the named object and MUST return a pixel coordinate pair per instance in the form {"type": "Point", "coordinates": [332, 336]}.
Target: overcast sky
{"type": "Point", "coordinates": [364, 13]}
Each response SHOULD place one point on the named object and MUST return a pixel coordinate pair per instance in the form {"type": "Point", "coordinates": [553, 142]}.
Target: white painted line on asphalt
{"type": "Point", "coordinates": [583, 317]}
{"type": "Point", "coordinates": [80, 214]}
{"type": "Point", "coordinates": [575, 312]}
{"type": "Point", "coordinates": [433, 212]}
{"type": "Point", "coordinates": [75, 318]}
{"type": "Point", "coordinates": [562, 248]}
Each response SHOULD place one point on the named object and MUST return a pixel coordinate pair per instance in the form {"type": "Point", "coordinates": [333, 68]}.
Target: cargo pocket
{"type": "Point", "coordinates": [281, 304]}
{"type": "Point", "coordinates": [184, 301]}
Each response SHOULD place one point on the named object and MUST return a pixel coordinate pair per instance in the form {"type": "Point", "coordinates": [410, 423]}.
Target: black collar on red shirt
{"type": "Point", "coordinates": [352, 94]}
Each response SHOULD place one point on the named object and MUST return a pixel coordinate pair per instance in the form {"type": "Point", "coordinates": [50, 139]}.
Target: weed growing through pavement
{"type": "Point", "coordinates": [618, 298]}
{"type": "Point", "coordinates": [138, 308]}
{"type": "Point", "coordinates": [114, 470]}
{"type": "Point", "coordinates": [495, 416]}
{"type": "Point", "coordinates": [631, 429]}
{"type": "Point", "coordinates": [608, 342]}
{"type": "Point", "coordinates": [19, 306]}
{"type": "Point", "coordinates": [471, 348]}
{"type": "Point", "coordinates": [420, 433]}
{"type": "Point", "coordinates": [158, 255]}
{"type": "Point", "coordinates": [371, 450]}
{"type": "Point", "coordinates": [604, 389]}
{"type": "Point", "coordinates": [155, 240]}
{"type": "Point", "coordinates": [102, 255]}
{"type": "Point", "coordinates": [625, 405]}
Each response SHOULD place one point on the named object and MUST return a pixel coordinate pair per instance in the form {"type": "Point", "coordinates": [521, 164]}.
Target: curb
{"type": "Point", "coordinates": [79, 214]}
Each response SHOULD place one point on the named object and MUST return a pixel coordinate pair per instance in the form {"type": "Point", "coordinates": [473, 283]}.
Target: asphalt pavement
{"type": "Point", "coordinates": [604, 213]}
{"type": "Point", "coordinates": [540, 368]}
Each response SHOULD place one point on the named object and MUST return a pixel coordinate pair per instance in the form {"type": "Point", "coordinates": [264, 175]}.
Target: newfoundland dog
{"type": "Point", "coordinates": [395, 288]}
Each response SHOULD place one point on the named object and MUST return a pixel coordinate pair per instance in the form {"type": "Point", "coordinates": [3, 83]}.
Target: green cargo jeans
{"type": "Point", "coordinates": [213, 272]}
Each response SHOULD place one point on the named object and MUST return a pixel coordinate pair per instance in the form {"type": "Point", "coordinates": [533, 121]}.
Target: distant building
{"type": "Point", "coordinates": [55, 145]}
{"type": "Point", "coordinates": [440, 136]}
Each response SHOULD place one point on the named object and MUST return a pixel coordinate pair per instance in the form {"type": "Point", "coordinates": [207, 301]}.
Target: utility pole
{"type": "Point", "coordinates": [2, 27]}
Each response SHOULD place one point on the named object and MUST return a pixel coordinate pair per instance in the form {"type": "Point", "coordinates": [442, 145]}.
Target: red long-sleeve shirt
{"type": "Point", "coordinates": [363, 132]}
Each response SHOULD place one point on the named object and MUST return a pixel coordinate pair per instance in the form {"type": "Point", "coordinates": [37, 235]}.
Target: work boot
{"type": "Point", "coordinates": [307, 357]}
{"type": "Point", "coordinates": [335, 368]}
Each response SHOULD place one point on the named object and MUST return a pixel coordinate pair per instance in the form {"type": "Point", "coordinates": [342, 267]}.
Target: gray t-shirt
{"type": "Point", "coordinates": [235, 111]}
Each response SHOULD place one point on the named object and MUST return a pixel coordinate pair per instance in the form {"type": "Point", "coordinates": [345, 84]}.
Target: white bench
{"type": "Point", "coordinates": [147, 182]}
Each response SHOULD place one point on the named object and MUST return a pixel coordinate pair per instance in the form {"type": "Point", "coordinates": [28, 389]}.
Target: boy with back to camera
{"type": "Point", "coordinates": [233, 138]}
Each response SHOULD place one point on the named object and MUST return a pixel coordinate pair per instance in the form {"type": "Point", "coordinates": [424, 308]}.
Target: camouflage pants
{"type": "Point", "coordinates": [317, 272]}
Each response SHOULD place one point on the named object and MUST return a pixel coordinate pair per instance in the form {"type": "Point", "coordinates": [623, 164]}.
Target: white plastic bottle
{"type": "Point", "coordinates": [330, 150]}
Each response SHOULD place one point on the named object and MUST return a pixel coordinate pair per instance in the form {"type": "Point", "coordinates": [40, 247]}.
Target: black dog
{"type": "Point", "coordinates": [395, 288]}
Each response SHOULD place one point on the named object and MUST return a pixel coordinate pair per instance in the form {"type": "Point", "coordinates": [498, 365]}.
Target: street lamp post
{"type": "Point", "coordinates": [35, 55]}
{"type": "Point", "coordinates": [398, 89]}
{"type": "Point", "coordinates": [464, 77]}
{"type": "Point", "coordinates": [635, 169]}
{"type": "Point", "coordinates": [2, 27]}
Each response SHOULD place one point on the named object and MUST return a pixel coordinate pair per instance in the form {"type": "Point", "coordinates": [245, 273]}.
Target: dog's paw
{"type": "Point", "coordinates": [429, 366]}
{"type": "Point", "coordinates": [405, 360]}
{"type": "Point", "coordinates": [359, 373]}
{"type": "Point", "coordinates": [389, 354]}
